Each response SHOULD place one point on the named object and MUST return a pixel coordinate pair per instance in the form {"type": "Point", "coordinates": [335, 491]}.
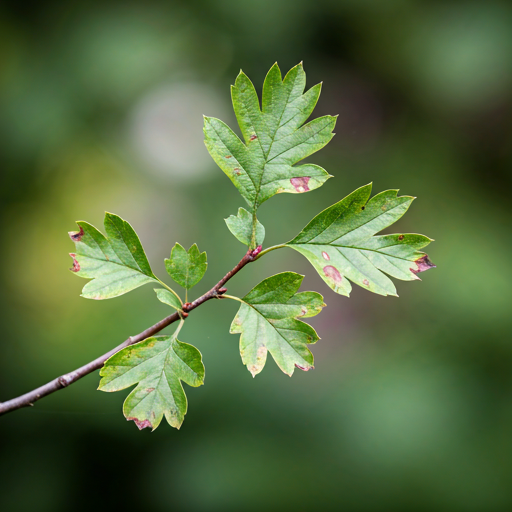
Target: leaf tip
{"type": "Point", "coordinates": [304, 368]}
{"type": "Point", "coordinates": [141, 423]}
{"type": "Point", "coordinates": [423, 264]}
{"type": "Point", "coordinates": [76, 236]}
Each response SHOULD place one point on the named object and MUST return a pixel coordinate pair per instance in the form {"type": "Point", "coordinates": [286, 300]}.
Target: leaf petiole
{"type": "Point", "coordinates": [254, 226]}
{"type": "Point", "coordinates": [224, 296]}
{"type": "Point", "coordinates": [180, 325]}
{"type": "Point", "coordinates": [273, 248]}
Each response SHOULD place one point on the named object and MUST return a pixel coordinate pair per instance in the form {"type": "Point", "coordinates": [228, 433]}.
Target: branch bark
{"type": "Point", "coordinates": [28, 399]}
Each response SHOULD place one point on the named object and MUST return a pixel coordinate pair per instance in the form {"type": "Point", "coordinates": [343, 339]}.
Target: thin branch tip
{"type": "Point", "coordinates": [218, 291]}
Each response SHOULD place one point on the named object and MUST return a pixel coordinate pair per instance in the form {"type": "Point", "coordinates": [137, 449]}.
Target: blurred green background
{"type": "Point", "coordinates": [410, 404]}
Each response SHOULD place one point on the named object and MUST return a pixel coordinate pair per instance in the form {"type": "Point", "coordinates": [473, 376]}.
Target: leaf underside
{"type": "Point", "coordinates": [187, 268]}
{"type": "Point", "coordinates": [340, 243]}
{"type": "Point", "coordinates": [275, 135]}
{"type": "Point", "coordinates": [268, 322]}
{"type": "Point", "coordinates": [116, 263]}
{"type": "Point", "coordinates": [157, 365]}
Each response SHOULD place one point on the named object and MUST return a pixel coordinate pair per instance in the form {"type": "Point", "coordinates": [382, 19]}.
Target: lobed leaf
{"type": "Point", "coordinates": [186, 268]}
{"type": "Point", "coordinates": [268, 322]}
{"type": "Point", "coordinates": [340, 243]}
{"type": "Point", "coordinates": [276, 137]}
{"type": "Point", "coordinates": [157, 365]}
{"type": "Point", "coordinates": [116, 263]}
{"type": "Point", "coordinates": [241, 227]}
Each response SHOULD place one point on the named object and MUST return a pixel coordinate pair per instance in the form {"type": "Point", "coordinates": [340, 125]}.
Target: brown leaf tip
{"type": "Point", "coordinates": [304, 368]}
{"type": "Point", "coordinates": [76, 265]}
{"type": "Point", "coordinates": [301, 184]}
{"type": "Point", "coordinates": [76, 236]}
{"type": "Point", "coordinates": [141, 423]}
{"type": "Point", "coordinates": [423, 264]}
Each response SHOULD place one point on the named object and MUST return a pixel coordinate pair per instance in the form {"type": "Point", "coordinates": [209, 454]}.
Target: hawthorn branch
{"type": "Point", "coordinates": [28, 399]}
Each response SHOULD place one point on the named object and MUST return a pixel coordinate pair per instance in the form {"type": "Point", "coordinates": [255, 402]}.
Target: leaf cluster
{"type": "Point", "coordinates": [342, 243]}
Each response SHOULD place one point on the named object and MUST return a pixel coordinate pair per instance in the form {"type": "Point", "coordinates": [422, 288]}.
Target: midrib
{"type": "Point", "coordinates": [270, 145]}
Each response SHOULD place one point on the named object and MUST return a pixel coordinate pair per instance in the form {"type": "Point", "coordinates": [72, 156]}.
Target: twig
{"type": "Point", "coordinates": [65, 380]}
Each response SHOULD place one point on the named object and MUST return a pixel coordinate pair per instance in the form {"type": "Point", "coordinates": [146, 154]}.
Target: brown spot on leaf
{"type": "Point", "coordinates": [237, 171]}
{"type": "Point", "coordinates": [401, 237]}
{"type": "Point", "coordinates": [384, 208]}
{"type": "Point", "coordinates": [261, 353]}
{"type": "Point", "coordinates": [253, 137]}
{"type": "Point", "coordinates": [362, 207]}
{"type": "Point", "coordinates": [227, 156]}
{"type": "Point", "coordinates": [423, 264]}
{"type": "Point", "coordinates": [141, 423]}
{"type": "Point", "coordinates": [326, 256]}
{"type": "Point", "coordinates": [301, 184]}
{"type": "Point", "coordinates": [76, 265]}
{"type": "Point", "coordinates": [76, 236]}
{"type": "Point", "coordinates": [149, 390]}
{"type": "Point", "coordinates": [304, 368]}
{"type": "Point", "coordinates": [333, 273]}
{"type": "Point", "coordinates": [366, 282]}
{"type": "Point", "coordinates": [303, 310]}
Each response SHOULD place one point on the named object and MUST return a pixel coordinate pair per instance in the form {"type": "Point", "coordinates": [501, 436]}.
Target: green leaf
{"type": "Point", "coordinates": [168, 298]}
{"type": "Point", "coordinates": [268, 321]}
{"type": "Point", "coordinates": [116, 263]}
{"type": "Point", "coordinates": [186, 268]}
{"type": "Point", "coordinates": [340, 243]}
{"type": "Point", "coordinates": [156, 365]}
{"type": "Point", "coordinates": [241, 227]}
{"type": "Point", "coordinates": [275, 137]}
